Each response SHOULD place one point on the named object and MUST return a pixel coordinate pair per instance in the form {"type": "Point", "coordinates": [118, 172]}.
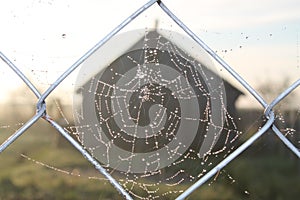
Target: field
{"type": "Point", "coordinates": [41, 165]}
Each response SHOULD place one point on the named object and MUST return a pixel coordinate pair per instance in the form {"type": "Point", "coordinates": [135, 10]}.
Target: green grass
{"type": "Point", "coordinates": [263, 174]}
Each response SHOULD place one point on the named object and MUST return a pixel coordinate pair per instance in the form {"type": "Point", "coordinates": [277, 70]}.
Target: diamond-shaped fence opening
{"type": "Point", "coordinates": [140, 118]}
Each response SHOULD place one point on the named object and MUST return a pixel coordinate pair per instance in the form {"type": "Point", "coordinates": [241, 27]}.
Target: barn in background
{"type": "Point", "coordinates": [143, 68]}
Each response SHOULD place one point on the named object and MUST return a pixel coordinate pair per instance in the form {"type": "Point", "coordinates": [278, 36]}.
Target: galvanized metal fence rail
{"type": "Point", "coordinates": [41, 106]}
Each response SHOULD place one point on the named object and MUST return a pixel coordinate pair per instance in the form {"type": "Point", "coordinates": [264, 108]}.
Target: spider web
{"type": "Point", "coordinates": [159, 179]}
{"type": "Point", "coordinates": [155, 117]}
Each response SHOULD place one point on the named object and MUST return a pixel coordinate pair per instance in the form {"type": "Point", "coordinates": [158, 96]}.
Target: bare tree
{"type": "Point", "coordinates": [270, 90]}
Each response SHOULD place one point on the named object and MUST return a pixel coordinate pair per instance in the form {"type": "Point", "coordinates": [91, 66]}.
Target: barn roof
{"type": "Point", "coordinates": [154, 38]}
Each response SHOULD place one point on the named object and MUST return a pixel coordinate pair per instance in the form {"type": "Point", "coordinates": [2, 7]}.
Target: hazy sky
{"type": "Point", "coordinates": [258, 38]}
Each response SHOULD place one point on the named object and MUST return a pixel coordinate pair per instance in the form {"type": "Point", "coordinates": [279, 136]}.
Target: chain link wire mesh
{"type": "Point", "coordinates": [41, 107]}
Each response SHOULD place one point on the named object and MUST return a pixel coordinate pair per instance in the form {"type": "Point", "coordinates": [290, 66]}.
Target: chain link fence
{"type": "Point", "coordinates": [42, 107]}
